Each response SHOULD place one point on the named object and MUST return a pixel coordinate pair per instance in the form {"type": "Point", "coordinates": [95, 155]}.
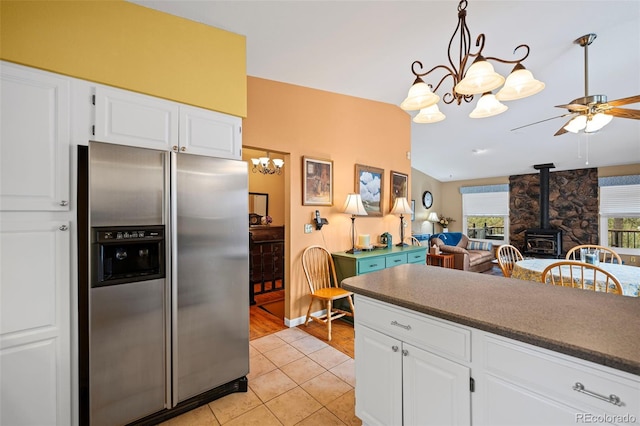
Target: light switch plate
{"type": "Point", "coordinates": [308, 228]}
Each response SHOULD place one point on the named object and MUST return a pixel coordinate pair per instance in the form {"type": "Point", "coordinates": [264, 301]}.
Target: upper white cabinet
{"type": "Point", "coordinates": [34, 140]}
{"type": "Point", "coordinates": [205, 132]}
{"type": "Point", "coordinates": [133, 119]}
{"type": "Point", "coordinates": [128, 118]}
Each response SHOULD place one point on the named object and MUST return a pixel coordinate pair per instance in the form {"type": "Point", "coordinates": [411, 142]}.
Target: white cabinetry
{"type": "Point", "coordinates": [403, 379]}
{"type": "Point", "coordinates": [35, 323]}
{"type": "Point", "coordinates": [34, 147]}
{"type": "Point", "coordinates": [133, 119]}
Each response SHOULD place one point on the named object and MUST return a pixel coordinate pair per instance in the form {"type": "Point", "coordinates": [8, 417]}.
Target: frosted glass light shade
{"type": "Point", "coordinates": [430, 114]}
{"type": "Point", "coordinates": [433, 217]}
{"type": "Point", "coordinates": [520, 84]}
{"type": "Point", "coordinates": [576, 124]}
{"type": "Point", "coordinates": [419, 96]}
{"type": "Point", "coordinates": [353, 205]}
{"type": "Point", "coordinates": [401, 206]}
{"type": "Point", "coordinates": [488, 106]}
{"type": "Point", "coordinates": [278, 162]}
{"type": "Point", "coordinates": [480, 78]}
{"type": "Point", "coordinates": [597, 122]}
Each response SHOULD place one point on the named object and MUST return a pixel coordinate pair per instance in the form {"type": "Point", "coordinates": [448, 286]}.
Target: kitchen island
{"type": "Point", "coordinates": [433, 342]}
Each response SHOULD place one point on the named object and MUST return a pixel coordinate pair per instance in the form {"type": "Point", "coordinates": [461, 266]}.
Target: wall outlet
{"type": "Point", "coordinates": [308, 228]}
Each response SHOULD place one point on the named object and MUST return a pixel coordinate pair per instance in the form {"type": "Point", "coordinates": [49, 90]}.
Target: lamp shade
{"type": "Point", "coordinates": [353, 205]}
{"type": "Point", "coordinates": [520, 84]}
{"type": "Point", "coordinates": [576, 124]}
{"type": "Point", "coordinates": [420, 96]}
{"type": "Point", "coordinates": [433, 217]}
{"type": "Point", "coordinates": [401, 206]}
{"type": "Point", "coordinates": [480, 78]}
{"type": "Point", "coordinates": [488, 106]}
{"type": "Point", "coordinates": [430, 114]}
{"type": "Point", "coordinates": [597, 122]}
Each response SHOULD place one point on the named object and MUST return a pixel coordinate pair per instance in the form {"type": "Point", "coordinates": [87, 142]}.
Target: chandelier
{"type": "Point", "coordinates": [479, 78]}
{"type": "Point", "coordinates": [263, 165]}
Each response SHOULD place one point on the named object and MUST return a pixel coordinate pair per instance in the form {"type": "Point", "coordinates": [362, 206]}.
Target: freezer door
{"type": "Point", "coordinates": [210, 285]}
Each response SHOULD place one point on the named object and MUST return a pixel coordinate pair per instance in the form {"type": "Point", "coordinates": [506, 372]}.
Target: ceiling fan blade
{"type": "Point", "coordinates": [624, 113]}
{"type": "Point", "coordinates": [625, 101]}
{"type": "Point", "coordinates": [574, 107]}
{"type": "Point", "coordinates": [541, 121]}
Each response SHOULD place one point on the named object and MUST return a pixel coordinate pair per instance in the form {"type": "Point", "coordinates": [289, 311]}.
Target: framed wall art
{"type": "Point", "coordinates": [370, 185]}
{"type": "Point", "coordinates": [399, 182]}
{"type": "Point", "coordinates": [317, 182]}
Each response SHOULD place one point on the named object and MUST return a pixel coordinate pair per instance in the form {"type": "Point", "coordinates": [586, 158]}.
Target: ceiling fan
{"type": "Point", "coordinates": [591, 112]}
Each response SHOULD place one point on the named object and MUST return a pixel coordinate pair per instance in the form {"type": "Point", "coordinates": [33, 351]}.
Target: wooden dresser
{"type": "Point", "coordinates": [266, 260]}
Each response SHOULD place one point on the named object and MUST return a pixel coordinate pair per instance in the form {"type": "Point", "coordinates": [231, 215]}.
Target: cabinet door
{"type": "Point", "coordinates": [128, 118]}
{"type": "Point", "coordinates": [435, 390]}
{"type": "Point", "coordinates": [34, 140]}
{"type": "Point", "coordinates": [378, 377]}
{"type": "Point", "coordinates": [205, 132]}
{"type": "Point", "coordinates": [35, 348]}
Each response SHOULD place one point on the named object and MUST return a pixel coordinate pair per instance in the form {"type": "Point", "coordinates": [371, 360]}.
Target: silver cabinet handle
{"type": "Point", "coordinates": [613, 399]}
{"type": "Point", "coordinates": [405, 352]}
{"type": "Point", "coordinates": [64, 203]}
{"type": "Point", "coordinates": [394, 348]}
{"type": "Point", "coordinates": [63, 227]}
{"type": "Point", "coordinates": [183, 149]}
{"type": "Point", "coordinates": [397, 324]}
{"type": "Point", "coordinates": [175, 147]}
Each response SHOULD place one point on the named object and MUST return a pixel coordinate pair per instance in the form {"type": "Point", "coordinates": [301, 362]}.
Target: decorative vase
{"type": "Point", "coordinates": [445, 230]}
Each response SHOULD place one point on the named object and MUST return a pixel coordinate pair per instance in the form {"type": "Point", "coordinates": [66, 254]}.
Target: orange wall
{"type": "Point", "coordinates": [300, 121]}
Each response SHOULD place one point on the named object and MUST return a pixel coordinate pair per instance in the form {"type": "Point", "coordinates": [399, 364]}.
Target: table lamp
{"type": "Point", "coordinates": [353, 206]}
{"type": "Point", "coordinates": [433, 218]}
{"type": "Point", "coordinates": [401, 207]}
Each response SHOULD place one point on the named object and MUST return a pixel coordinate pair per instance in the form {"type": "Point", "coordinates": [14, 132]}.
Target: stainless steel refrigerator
{"type": "Point", "coordinates": [164, 303]}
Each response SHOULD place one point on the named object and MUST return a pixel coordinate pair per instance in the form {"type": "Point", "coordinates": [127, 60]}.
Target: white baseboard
{"type": "Point", "coordinates": [300, 320]}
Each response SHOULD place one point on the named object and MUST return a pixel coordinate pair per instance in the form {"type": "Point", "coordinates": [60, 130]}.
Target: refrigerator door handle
{"type": "Point", "coordinates": [172, 347]}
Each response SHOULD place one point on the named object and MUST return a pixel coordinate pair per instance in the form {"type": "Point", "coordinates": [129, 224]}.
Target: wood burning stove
{"type": "Point", "coordinates": [544, 241]}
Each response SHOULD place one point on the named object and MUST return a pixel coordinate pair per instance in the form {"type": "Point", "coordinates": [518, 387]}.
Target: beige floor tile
{"type": "Point", "coordinates": [271, 385]}
{"type": "Point", "coordinates": [345, 408]}
{"type": "Point", "coordinates": [293, 406]}
{"type": "Point", "coordinates": [309, 344]}
{"type": "Point", "coordinates": [291, 334]}
{"type": "Point", "coordinates": [259, 365]}
{"type": "Point", "coordinates": [322, 417]}
{"type": "Point", "coordinates": [326, 387]}
{"type": "Point", "coordinates": [283, 355]}
{"type": "Point", "coordinates": [259, 416]}
{"type": "Point", "coordinates": [234, 405]}
{"type": "Point", "coordinates": [267, 343]}
{"type": "Point", "coordinates": [346, 371]}
{"type": "Point", "coordinates": [328, 357]}
{"type": "Point", "coordinates": [201, 416]}
{"type": "Point", "coordinates": [302, 370]}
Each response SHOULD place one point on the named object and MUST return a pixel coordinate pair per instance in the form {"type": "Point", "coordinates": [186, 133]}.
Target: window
{"type": "Point", "coordinates": [485, 212]}
{"type": "Point", "coordinates": [620, 214]}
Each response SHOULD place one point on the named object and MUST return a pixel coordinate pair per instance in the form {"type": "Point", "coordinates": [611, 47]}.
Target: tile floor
{"type": "Point", "coordinates": [295, 379]}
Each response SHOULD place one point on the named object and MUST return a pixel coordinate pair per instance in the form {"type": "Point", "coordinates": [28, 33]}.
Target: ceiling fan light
{"type": "Point", "coordinates": [488, 106]}
{"type": "Point", "coordinates": [430, 114]}
{"type": "Point", "coordinates": [479, 78]}
{"type": "Point", "coordinates": [597, 122]}
{"type": "Point", "coordinates": [576, 124]}
{"type": "Point", "coordinates": [519, 84]}
{"type": "Point", "coordinates": [419, 96]}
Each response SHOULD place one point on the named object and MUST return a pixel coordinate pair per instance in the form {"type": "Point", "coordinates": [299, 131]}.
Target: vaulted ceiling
{"type": "Point", "coordinates": [365, 49]}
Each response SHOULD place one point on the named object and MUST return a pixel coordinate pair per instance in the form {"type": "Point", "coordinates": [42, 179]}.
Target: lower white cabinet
{"type": "Point", "coordinates": [35, 348]}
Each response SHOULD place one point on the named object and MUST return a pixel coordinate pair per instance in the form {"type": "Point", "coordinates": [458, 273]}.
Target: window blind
{"type": "Point", "coordinates": [620, 200]}
{"type": "Point", "coordinates": [485, 204]}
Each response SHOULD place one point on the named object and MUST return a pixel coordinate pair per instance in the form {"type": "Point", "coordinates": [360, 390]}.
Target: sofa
{"type": "Point", "coordinates": [469, 255]}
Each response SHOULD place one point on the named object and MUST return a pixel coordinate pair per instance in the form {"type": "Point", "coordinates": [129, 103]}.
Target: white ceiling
{"type": "Point", "coordinates": [365, 49]}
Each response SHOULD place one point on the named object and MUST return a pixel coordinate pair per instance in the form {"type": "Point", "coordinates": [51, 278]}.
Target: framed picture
{"type": "Point", "coordinates": [317, 182]}
{"type": "Point", "coordinates": [399, 182]}
{"type": "Point", "coordinates": [369, 184]}
{"type": "Point", "coordinates": [413, 210]}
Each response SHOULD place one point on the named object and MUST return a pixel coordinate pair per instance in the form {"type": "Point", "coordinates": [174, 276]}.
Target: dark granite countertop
{"type": "Point", "coordinates": [598, 327]}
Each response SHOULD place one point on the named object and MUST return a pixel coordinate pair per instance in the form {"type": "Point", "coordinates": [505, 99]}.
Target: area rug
{"type": "Point", "coordinates": [274, 308]}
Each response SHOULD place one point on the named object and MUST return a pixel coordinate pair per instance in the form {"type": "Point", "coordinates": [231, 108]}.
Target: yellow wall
{"type": "Point", "coordinates": [128, 46]}
{"type": "Point", "coordinates": [299, 122]}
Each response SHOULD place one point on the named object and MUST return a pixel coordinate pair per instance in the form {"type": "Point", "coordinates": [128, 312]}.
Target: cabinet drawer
{"type": "Point", "coordinates": [426, 332]}
{"type": "Point", "coordinates": [420, 257]}
{"type": "Point", "coordinates": [555, 375]}
{"type": "Point", "coordinates": [370, 265]}
{"type": "Point", "coordinates": [395, 260]}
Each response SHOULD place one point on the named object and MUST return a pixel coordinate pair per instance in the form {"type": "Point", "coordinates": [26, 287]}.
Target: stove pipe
{"type": "Point", "coordinates": [544, 193]}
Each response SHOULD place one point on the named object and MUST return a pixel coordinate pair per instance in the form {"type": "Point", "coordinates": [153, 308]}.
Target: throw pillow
{"type": "Point", "coordinates": [479, 245]}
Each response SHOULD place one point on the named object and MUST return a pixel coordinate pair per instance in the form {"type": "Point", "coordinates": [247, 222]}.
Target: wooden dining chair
{"type": "Point", "coordinates": [569, 273]}
{"type": "Point", "coordinates": [508, 255]}
{"type": "Point", "coordinates": [320, 272]}
{"type": "Point", "coordinates": [607, 254]}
